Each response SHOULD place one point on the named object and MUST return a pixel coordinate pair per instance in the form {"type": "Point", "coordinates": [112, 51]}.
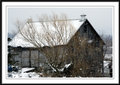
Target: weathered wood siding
{"type": "Point", "coordinates": [34, 58]}
{"type": "Point", "coordinates": [25, 58]}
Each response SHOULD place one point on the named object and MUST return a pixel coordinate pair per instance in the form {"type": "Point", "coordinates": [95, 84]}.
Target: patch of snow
{"type": "Point", "coordinates": [67, 65]}
{"type": "Point", "coordinates": [106, 66]}
{"type": "Point", "coordinates": [52, 68]}
{"type": "Point", "coordinates": [22, 74]}
{"type": "Point", "coordinates": [90, 41]}
{"type": "Point", "coordinates": [26, 69]}
{"type": "Point", "coordinates": [80, 68]}
{"type": "Point", "coordinates": [61, 70]}
{"type": "Point", "coordinates": [106, 63]}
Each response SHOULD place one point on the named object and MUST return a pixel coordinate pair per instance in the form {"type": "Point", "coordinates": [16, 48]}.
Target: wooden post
{"type": "Point", "coordinates": [30, 57]}
{"type": "Point", "coordinates": [38, 58]}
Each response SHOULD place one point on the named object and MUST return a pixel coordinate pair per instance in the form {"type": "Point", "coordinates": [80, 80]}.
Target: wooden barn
{"type": "Point", "coordinates": [84, 42]}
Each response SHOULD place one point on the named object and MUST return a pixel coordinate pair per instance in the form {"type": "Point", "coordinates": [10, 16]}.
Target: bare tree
{"type": "Point", "coordinates": [53, 32]}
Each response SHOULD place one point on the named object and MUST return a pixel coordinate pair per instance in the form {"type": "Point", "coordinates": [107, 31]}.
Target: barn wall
{"type": "Point", "coordinates": [87, 31]}
{"type": "Point", "coordinates": [34, 58]}
{"type": "Point", "coordinates": [27, 57]}
{"type": "Point", "coordinates": [18, 58]}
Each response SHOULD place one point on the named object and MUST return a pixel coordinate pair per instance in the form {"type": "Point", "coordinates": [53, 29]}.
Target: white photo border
{"type": "Point", "coordinates": [115, 34]}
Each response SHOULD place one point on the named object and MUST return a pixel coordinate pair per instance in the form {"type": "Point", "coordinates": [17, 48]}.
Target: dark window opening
{"type": "Point", "coordinates": [97, 43]}
{"type": "Point", "coordinates": [85, 29]}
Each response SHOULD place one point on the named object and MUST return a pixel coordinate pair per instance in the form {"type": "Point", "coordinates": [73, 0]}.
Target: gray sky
{"type": "Point", "coordinates": [100, 18]}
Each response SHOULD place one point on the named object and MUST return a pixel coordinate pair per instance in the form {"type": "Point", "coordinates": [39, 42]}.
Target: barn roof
{"type": "Point", "coordinates": [19, 40]}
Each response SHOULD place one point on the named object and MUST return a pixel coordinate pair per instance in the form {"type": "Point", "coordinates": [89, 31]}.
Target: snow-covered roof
{"type": "Point", "coordinates": [19, 40]}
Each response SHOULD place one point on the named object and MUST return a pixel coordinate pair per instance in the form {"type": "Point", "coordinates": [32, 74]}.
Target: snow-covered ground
{"type": "Point", "coordinates": [107, 61]}
{"type": "Point", "coordinates": [106, 66]}
{"type": "Point", "coordinates": [22, 74]}
{"type": "Point", "coordinates": [26, 73]}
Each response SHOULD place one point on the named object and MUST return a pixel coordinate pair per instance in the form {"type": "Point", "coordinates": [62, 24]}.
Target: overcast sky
{"type": "Point", "coordinates": [100, 18]}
